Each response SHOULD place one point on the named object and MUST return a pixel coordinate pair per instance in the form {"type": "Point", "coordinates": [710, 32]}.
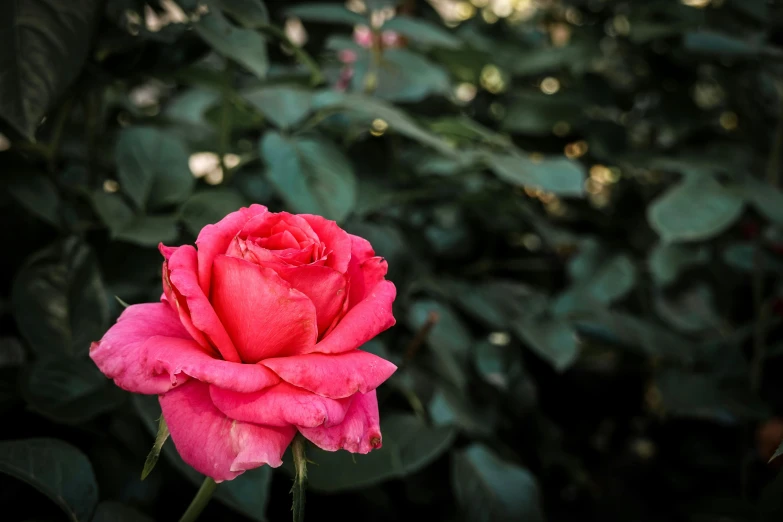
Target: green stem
{"type": "Point", "coordinates": [300, 479]}
{"type": "Point", "coordinates": [316, 76]}
{"type": "Point", "coordinates": [200, 501]}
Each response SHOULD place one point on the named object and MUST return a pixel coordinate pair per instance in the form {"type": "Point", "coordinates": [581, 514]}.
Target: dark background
{"type": "Point", "coordinates": [579, 202]}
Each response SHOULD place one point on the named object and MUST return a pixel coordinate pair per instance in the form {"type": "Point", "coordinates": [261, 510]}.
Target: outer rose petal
{"type": "Point", "coordinates": [361, 250]}
{"type": "Point", "coordinates": [324, 286]}
{"type": "Point", "coordinates": [212, 443]}
{"type": "Point", "coordinates": [337, 241]}
{"type": "Point", "coordinates": [174, 356]}
{"type": "Point", "coordinates": [281, 405]}
{"type": "Point", "coordinates": [363, 322]}
{"type": "Point", "coordinates": [363, 277]}
{"type": "Point", "coordinates": [213, 240]}
{"type": "Point", "coordinates": [179, 304]}
{"type": "Point", "coordinates": [359, 432]}
{"type": "Point", "coordinates": [334, 376]}
{"type": "Point", "coordinates": [183, 276]}
{"type": "Point", "coordinates": [264, 316]}
{"type": "Point", "coordinates": [121, 356]}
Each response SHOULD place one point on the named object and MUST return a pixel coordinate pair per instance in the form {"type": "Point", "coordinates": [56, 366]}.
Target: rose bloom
{"type": "Point", "coordinates": [256, 337]}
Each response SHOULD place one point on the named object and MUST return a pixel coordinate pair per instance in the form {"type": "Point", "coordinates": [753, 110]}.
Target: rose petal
{"type": "Point", "coordinates": [182, 356]}
{"type": "Point", "coordinates": [272, 223]}
{"type": "Point", "coordinates": [337, 241]}
{"type": "Point", "coordinates": [213, 240]}
{"type": "Point", "coordinates": [166, 251]}
{"type": "Point", "coordinates": [121, 356]}
{"type": "Point", "coordinates": [183, 277]}
{"type": "Point", "coordinates": [179, 304]}
{"type": "Point", "coordinates": [359, 432]}
{"type": "Point", "coordinates": [363, 322]}
{"type": "Point", "coordinates": [280, 405]}
{"type": "Point", "coordinates": [264, 316]}
{"type": "Point", "coordinates": [282, 241]}
{"type": "Point", "coordinates": [361, 249]}
{"type": "Point", "coordinates": [215, 445]}
{"type": "Point", "coordinates": [334, 376]}
{"type": "Point", "coordinates": [363, 277]}
{"type": "Point", "coordinates": [325, 287]}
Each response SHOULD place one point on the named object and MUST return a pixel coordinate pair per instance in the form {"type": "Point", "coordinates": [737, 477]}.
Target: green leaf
{"type": "Point", "coordinates": [59, 301]}
{"type": "Point", "coordinates": [252, 14]}
{"type": "Point", "coordinates": [692, 311]}
{"type": "Point", "coordinates": [371, 108]}
{"type": "Point", "coordinates": [723, 45]}
{"type": "Point", "coordinates": [70, 391]}
{"type": "Point", "coordinates": [247, 494]}
{"type": "Point", "coordinates": [43, 45]}
{"type": "Point", "coordinates": [152, 167]}
{"type": "Point", "coordinates": [408, 446]}
{"type": "Point", "coordinates": [449, 407]}
{"type": "Point", "coordinates": [696, 209]}
{"type": "Point", "coordinates": [284, 105]}
{"type": "Point", "coordinates": [210, 206]}
{"type": "Point", "coordinates": [767, 200]}
{"type": "Point", "coordinates": [536, 114]}
{"type": "Point", "coordinates": [489, 489]}
{"type": "Point", "coordinates": [553, 339]}
{"type": "Point", "coordinates": [245, 46]}
{"type": "Point", "coordinates": [402, 76]}
{"type": "Point", "coordinates": [326, 13]}
{"type": "Point", "coordinates": [606, 282]}
{"type": "Point", "coordinates": [37, 194]}
{"type": "Point", "coordinates": [423, 32]}
{"type": "Point", "coordinates": [557, 175]}
{"type": "Point", "coordinates": [112, 209]}
{"type": "Point", "coordinates": [56, 469]}
{"type": "Point", "coordinates": [149, 230]}
{"type": "Point", "coordinates": [154, 454]}
{"type": "Point", "coordinates": [668, 260]}
{"type": "Point", "coordinates": [778, 452]}
{"type": "Point", "coordinates": [449, 340]}
{"type": "Point", "coordinates": [311, 174]}
{"type": "Point", "coordinates": [110, 511]}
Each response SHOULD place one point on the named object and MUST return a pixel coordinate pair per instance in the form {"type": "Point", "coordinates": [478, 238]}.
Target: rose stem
{"type": "Point", "coordinates": [300, 479]}
{"type": "Point", "coordinates": [200, 501]}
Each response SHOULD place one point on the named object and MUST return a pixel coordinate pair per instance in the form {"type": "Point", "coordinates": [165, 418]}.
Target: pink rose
{"type": "Point", "coordinates": [256, 337]}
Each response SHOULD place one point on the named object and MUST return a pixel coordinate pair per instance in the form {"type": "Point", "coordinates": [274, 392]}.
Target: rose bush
{"type": "Point", "coordinates": [256, 337]}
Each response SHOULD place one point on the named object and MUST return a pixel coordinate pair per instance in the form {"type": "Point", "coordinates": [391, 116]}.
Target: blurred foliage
{"type": "Point", "coordinates": [579, 201]}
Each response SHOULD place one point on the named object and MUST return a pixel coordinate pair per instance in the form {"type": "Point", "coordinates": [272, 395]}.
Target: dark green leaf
{"type": "Point", "coordinates": [408, 446]}
{"type": "Point", "coordinates": [56, 469]}
{"type": "Point", "coordinates": [334, 13]}
{"type": "Point", "coordinates": [38, 195]}
{"type": "Point", "coordinates": [310, 174]}
{"type": "Point", "coordinates": [692, 311]}
{"type": "Point", "coordinates": [154, 454]}
{"type": "Point", "coordinates": [402, 76]}
{"type": "Point", "coordinates": [210, 206]}
{"type": "Point", "coordinates": [449, 407]}
{"type": "Point", "coordinates": [149, 230]}
{"type": "Point", "coordinates": [537, 114]}
{"type": "Point", "coordinates": [422, 32]}
{"type": "Point", "coordinates": [371, 108]}
{"type": "Point", "coordinates": [767, 199]}
{"type": "Point", "coordinates": [448, 338]}
{"type": "Point", "coordinates": [43, 45]}
{"type": "Point", "coordinates": [557, 175]}
{"type": "Point", "coordinates": [246, 46]}
{"type": "Point", "coordinates": [720, 44]}
{"type": "Point", "coordinates": [697, 208]}
{"type": "Point", "coordinates": [152, 167]}
{"type": "Point", "coordinates": [109, 511]}
{"type": "Point", "coordinates": [553, 339]}
{"type": "Point", "coordinates": [59, 301]}
{"type": "Point", "coordinates": [69, 390]}
{"type": "Point", "coordinates": [250, 13]}
{"type": "Point", "coordinates": [284, 105]}
{"type": "Point", "coordinates": [247, 494]}
{"type": "Point", "coordinates": [112, 209]}
{"type": "Point", "coordinates": [489, 489]}
{"type": "Point", "coordinates": [668, 260]}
